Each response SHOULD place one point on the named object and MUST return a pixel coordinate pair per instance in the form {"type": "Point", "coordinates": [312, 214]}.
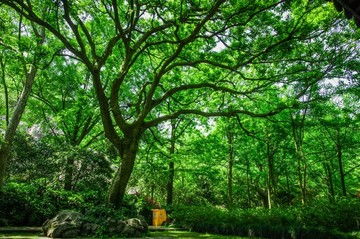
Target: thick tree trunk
{"type": "Point", "coordinates": [117, 190]}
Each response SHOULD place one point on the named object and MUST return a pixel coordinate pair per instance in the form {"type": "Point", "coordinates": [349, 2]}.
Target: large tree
{"type": "Point", "coordinates": [145, 56]}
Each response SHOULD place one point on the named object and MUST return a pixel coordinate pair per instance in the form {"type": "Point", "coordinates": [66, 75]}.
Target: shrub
{"type": "Point", "coordinates": [313, 221]}
{"type": "Point", "coordinates": [30, 204]}
{"type": "Point", "coordinates": [100, 213]}
{"type": "Point", "coordinates": [341, 215]}
{"type": "Point", "coordinates": [137, 204]}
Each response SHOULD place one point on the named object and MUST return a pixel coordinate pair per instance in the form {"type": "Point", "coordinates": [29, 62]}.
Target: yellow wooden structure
{"type": "Point", "coordinates": [159, 216]}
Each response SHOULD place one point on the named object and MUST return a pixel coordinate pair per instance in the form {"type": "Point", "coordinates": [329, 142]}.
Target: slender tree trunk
{"type": "Point", "coordinates": [6, 92]}
{"type": "Point", "coordinates": [328, 173]}
{"type": "Point", "coordinates": [329, 182]}
{"type": "Point", "coordinates": [270, 171]}
{"type": "Point", "coordinates": [14, 122]}
{"type": "Point", "coordinates": [152, 191]}
{"type": "Point", "coordinates": [304, 169]}
{"type": "Point", "coordinates": [287, 177]}
{"type": "Point", "coordinates": [170, 184]}
{"type": "Point", "coordinates": [298, 134]}
{"type": "Point", "coordinates": [4, 155]}
{"type": "Point", "coordinates": [230, 138]}
{"type": "Point", "coordinates": [337, 140]}
{"type": "Point", "coordinates": [5, 146]}
{"type": "Point", "coordinates": [301, 174]}
{"type": "Point", "coordinates": [69, 171]}
{"type": "Point", "coordinates": [341, 169]}
{"type": "Point", "coordinates": [263, 195]}
{"type": "Point", "coordinates": [248, 182]}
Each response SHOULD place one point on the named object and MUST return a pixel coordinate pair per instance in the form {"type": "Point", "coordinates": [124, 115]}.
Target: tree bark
{"type": "Point", "coordinates": [338, 142]}
{"type": "Point", "coordinates": [5, 146]}
{"type": "Point", "coordinates": [297, 126]}
{"type": "Point", "coordinates": [230, 138]}
{"type": "Point", "coordinates": [170, 184]}
{"type": "Point", "coordinates": [270, 174]}
{"type": "Point", "coordinates": [128, 150]}
{"type": "Point", "coordinates": [341, 167]}
{"type": "Point", "coordinates": [301, 173]}
{"type": "Point", "coordinates": [328, 173]}
{"type": "Point", "coordinates": [330, 182]}
{"type": "Point", "coordinates": [14, 122]}
{"type": "Point", "coordinates": [6, 92]}
{"type": "Point", "coordinates": [4, 155]}
{"type": "Point", "coordinates": [248, 182]}
{"type": "Point", "coordinates": [69, 171]}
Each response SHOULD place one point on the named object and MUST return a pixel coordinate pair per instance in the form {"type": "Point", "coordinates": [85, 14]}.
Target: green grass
{"type": "Point", "coordinates": [155, 234]}
{"type": "Point", "coordinates": [20, 235]}
{"type": "Point", "coordinates": [190, 235]}
{"type": "Point", "coordinates": [194, 235]}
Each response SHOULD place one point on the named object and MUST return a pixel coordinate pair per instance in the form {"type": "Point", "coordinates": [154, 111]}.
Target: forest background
{"type": "Point", "coordinates": [130, 105]}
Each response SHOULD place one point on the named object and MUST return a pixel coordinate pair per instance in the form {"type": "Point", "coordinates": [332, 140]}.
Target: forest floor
{"type": "Point", "coordinates": [35, 232]}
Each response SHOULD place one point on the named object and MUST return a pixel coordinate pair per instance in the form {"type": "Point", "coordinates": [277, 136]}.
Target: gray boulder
{"type": "Point", "coordinates": [114, 226]}
{"type": "Point", "coordinates": [134, 227]}
{"type": "Point", "coordinates": [68, 224]}
{"type": "Point", "coordinates": [88, 228]}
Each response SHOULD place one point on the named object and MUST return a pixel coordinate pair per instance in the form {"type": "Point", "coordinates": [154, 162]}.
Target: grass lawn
{"type": "Point", "coordinates": [151, 234]}
{"type": "Point", "coordinates": [194, 235]}
{"type": "Point", "coordinates": [154, 234]}
{"type": "Point", "coordinates": [190, 235]}
{"type": "Point", "coordinates": [21, 235]}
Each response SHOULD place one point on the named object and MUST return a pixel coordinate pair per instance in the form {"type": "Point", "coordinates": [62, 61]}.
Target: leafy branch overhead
{"type": "Point", "coordinates": [184, 40]}
{"type": "Point", "coordinates": [153, 61]}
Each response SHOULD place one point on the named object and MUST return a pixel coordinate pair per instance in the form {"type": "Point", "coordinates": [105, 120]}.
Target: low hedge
{"type": "Point", "coordinates": [319, 220]}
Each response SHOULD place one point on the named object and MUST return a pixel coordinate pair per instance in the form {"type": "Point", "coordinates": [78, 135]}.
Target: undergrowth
{"type": "Point", "coordinates": [318, 220]}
